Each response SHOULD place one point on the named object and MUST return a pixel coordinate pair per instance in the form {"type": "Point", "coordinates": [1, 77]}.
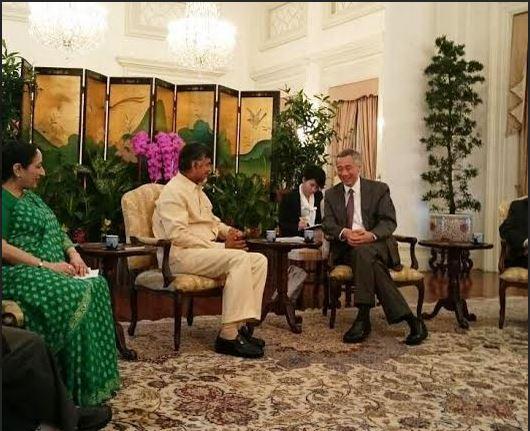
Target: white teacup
{"type": "Point", "coordinates": [309, 235]}
{"type": "Point", "coordinates": [270, 235]}
{"type": "Point", "coordinates": [111, 241]}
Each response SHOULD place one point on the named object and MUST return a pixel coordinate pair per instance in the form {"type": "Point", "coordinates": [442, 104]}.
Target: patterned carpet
{"type": "Point", "coordinates": [456, 380]}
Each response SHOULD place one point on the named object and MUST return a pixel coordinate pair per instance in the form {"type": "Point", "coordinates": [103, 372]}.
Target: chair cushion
{"type": "Point", "coordinates": [515, 275]}
{"type": "Point", "coordinates": [305, 254]}
{"type": "Point", "coordinates": [341, 273]}
{"type": "Point", "coordinates": [406, 274]}
{"type": "Point", "coordinates": [12, 314]}
{"type": "Point", "coordinates": [154, 280]}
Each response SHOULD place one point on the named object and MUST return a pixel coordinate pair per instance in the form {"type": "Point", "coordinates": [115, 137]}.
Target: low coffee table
{"type": "Point", "coordinates": [276, 253]}
{"type": "Point", "coordinates": [109, 261]}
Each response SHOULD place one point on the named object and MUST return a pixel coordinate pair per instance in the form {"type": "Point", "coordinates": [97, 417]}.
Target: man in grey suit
{"type": "Point", "coordinates": [359, 217]}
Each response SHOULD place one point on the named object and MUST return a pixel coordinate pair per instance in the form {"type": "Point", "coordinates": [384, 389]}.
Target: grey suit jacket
{"type": "Point", "coordinates": [378, 213]}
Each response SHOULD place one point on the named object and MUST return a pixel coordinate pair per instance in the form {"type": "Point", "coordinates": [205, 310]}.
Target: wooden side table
{"type": "Point", "coordinates": [276, 253]}
{"type": "Point", "coordinates": [453, 302]}
{"type": "Point", "coordinates": [109, 263]}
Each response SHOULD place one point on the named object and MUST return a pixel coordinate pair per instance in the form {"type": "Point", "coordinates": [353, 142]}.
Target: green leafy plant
{"type": "Point", "coordinates": [301, 134]}
{"type": "Point", "coordinates": [451, 98]}
{"type": "Point", "coordinates": [241, 201]}
{"type": "Point", "coordinates": [106, 182]}
{"type": "Point", "coordinates": [63, 191]}
{"type": "Point", "coordinates": [12, 89]}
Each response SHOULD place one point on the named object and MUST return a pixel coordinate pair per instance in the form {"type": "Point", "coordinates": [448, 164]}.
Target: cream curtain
{"type": "Point", "coordinates": [356, 127]}
{"type": "Point", "coordinates": [517, 84]}
{"type": "Point", "coordinates": [522, 189]}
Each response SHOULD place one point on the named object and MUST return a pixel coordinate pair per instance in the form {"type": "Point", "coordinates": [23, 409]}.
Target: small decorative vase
{"type": "Point", "coordinates": [451, 227]}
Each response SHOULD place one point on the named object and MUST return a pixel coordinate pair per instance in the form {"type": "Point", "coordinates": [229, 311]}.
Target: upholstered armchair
{"type": "Point", "coordinates": [138, 207]}
{"type": "Point", "coordinates": [12, 314]}
{"type": "Point", "coordinates": [508, 277]}
{"type": "Point", "coordinates": [340, 275]}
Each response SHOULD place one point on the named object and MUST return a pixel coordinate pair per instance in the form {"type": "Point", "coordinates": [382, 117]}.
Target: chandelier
{"type": "Point", "coordinates": [74, 28]}
{"type": "Point", "coordinates": [201, 41]}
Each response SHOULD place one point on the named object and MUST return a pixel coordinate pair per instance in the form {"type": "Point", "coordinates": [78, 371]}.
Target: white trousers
{"type": "Point", "coordinates": [246, 274]}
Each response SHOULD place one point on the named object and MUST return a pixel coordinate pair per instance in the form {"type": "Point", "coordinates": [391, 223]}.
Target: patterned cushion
{"type": "Point", "coordinates": [341, 273]}
{"type": "Point", "coordinates": [153, 279]}
{"type": "Point", "coordinates": [138, 206]}
{"type": "Point", "coordinates": [515, 274]}
{"type": "Point", "coordinates": [345, 273]}
{"type": "Point", "coordinates": [406, 274]}
{"type": "Point", "coordinates": [12, 314]}
{"type": "Point", "coordinates": [305, 254]}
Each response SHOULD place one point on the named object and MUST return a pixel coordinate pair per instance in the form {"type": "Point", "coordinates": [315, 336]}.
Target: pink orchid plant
{"type": "Point", "coordinates": [162, 153]}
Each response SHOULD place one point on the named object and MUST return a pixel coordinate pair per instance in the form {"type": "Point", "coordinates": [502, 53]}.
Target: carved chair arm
{"type": "Point", "coordinates": [411, 240]}
{"type": "Point", "coordinates": [165, 244]}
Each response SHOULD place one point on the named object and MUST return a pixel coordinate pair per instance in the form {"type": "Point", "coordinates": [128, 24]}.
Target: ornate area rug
{"type": "Point", "coordinates": [456, 380]}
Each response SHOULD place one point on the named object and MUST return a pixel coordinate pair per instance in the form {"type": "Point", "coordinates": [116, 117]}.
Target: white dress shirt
{"type": "Point", "coordinates": [308, 210]}
{"type": "Point", "coordinates": [357, 215]}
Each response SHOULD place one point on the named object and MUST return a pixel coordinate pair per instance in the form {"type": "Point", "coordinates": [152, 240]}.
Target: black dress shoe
{"type": "Point", "coordinates": [358, 332]}
{"type": "Point", "coordinates": [93, 418]}
{"type": "Point", "coordinates": [240, 346]}
{"type": "Point", "coordinates": [418, 333]}
{"type": "Point", "coordinates": [246, 332]}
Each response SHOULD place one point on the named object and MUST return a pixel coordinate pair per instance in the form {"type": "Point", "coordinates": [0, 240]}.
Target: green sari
{"type": "Point", "coordinates": [74, 316]}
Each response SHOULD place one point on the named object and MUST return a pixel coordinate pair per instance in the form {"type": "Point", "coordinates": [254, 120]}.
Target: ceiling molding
{"type": "Point", "coordinates": [147, 66]}
{"type": "Point", "coordinates": [280, 71]}
{"type": "Point", "coordinates": [15, 11]}
{"type": "Point", "coordinates": [353, 51]}
{"type": "Point", "coordinates": [335, 13]}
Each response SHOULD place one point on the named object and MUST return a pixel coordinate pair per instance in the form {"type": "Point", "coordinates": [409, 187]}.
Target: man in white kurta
{"type": "Point", "coordinates": [183, 214]}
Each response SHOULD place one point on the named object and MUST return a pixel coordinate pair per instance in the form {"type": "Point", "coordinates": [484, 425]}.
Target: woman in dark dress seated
{"type": "Point", "coordinates": [300, 208]}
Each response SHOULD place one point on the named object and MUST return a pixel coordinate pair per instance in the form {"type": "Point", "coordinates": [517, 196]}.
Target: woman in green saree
{"type": "Point", "coordinates": [39, 263]}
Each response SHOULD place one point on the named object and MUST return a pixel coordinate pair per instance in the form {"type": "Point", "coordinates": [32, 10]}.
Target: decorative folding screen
{"type": "Point", "coordinates": [196, 114]}
{"type": "Point", "coordinates": [95, 112]}
{"type": "Point", "coordinates": [164, 118]}
{"type": "Point", "coordinates": [26, 108]}
{"type": "Point", "coordinates": [227, 136]}
{"type": "Point", "coordinates": [129, 113]}
{"type": "Point", "coordinates": [57, 114]}
{"type": "Point", "coordinates": [258, 109]}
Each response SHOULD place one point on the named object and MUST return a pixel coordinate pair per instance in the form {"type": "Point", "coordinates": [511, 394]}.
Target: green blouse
{"type": "Point", "coordinates": [9, 202]}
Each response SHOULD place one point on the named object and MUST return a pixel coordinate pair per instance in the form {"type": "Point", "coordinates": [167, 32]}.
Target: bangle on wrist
{"type": "Point", "coordinates": [41, 264]}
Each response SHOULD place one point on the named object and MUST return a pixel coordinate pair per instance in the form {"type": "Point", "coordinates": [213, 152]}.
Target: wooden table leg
{"type": "Point", "coordinates": [110, 267]}
{"type": "Point", "coordinates": [284, 301]}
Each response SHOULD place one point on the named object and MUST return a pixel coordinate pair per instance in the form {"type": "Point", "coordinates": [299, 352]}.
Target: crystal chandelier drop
{"type": "Point", "coordinates": [75, 28]}
{"type": "Point", "coordinates": [201, 41]}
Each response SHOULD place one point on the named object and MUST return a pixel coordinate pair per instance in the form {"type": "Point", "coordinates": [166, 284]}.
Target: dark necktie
{"type": "Point", "coordinates": [349, 209]}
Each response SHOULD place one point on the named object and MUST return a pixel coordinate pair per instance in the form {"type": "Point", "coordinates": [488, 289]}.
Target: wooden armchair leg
{"type": "Point", "coordinates": [189, 316]}
{"type": "Point", "coordinates": [421, 296]}
{"type": "Point", "coordinates": [334, 288]}
{"type": "Point", "coordinates": [133, 299]}
{"type": "Point", "coordinates": [348, 294]}
{"type": "Point", "coordinates": [325, 304]}
{"type": "Point", "coordinates": [502, 300]}
{"type": "Point", "coordinates": [177, 314]}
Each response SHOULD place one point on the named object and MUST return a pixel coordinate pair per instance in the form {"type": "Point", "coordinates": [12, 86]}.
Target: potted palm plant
{"type": "Point", "coordinates": [451, 99]}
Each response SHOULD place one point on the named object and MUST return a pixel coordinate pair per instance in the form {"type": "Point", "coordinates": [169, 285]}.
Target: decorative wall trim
{"type": "Point", "coordinates": [500, 24]}
{"type": "Point", "coordinates": [150, 19]}
{"type": "Point", "coordinates": [15, 11]}
{"type": "Point", "coordinates": [280, 71]}
{"type": "Point", "coordinates": [282, 22]}
{"type": "Point", "coordinates": [353, 51]}
{"type": "Point", "coordinates": [144, 66]}
{"type": "Point", "coordinates": [335, 13]}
